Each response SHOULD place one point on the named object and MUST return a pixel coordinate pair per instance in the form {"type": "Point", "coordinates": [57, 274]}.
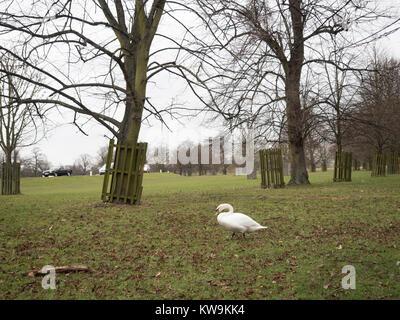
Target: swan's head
{"type": "Point", "coordinates": [222, 207]}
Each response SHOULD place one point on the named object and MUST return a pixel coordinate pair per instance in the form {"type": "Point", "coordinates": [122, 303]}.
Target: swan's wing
{"type": "Point", "coordinates": [243, 220]}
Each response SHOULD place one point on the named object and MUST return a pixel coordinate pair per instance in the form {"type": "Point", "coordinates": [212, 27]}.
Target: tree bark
{"type": "Point", "coordinates": [136, 66]}
{"type": "Point", "coordinates": [298, 170]}
{"type": "Point", "coordinates": [324, 166]}
{"type": "Point", "coordinates": [313, 165]}
{"type": "Point", "coordinates": [294, 112]}
{"type": "Point", "coordinates": [253, 175]}
{"type": "Point", "coordinates": [8, 157]}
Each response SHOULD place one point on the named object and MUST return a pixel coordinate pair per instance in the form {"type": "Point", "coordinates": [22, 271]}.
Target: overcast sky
{"type": "Point", "coordinates": [64, 142]}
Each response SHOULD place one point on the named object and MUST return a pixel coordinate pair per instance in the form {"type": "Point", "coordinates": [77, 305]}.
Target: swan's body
{"type": "Point", "coordinates": [236, 222]}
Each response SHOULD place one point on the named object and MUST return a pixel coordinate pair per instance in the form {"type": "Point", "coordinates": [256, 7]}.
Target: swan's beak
{"type": "Point", "coordinates": [216, 212]}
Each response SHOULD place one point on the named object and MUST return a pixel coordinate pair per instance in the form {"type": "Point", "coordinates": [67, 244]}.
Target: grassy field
{"type": "Point", "coordinates": [171, 246]}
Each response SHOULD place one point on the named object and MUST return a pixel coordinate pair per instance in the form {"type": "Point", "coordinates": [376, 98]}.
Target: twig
{"type": "Point", "coordinates": [63, 269]}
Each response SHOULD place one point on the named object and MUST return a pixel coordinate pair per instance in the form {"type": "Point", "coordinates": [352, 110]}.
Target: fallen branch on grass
{"type": "Point", "coordinates": [64, 269]}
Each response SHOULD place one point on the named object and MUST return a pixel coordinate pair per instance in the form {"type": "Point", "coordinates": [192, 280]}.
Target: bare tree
{"type": "Point", "coordinates": [129, 29]}
{"type": "Point", "coordinates": [269, 43]}
{"type": "Point", "coordinates": [84, 162]}
{"type": "Point", "coordinates": [324, 155]}
{"type": "Point", "coordinates": [38, 161]}
{"type": "Point", "coordinates": [107, 59]}
{"type": "Point", "coordinates": [337, 90]}
{"type": "Point", "coordinates": [19, 123]}
{"type": "Point", "coordinates": [377, 112]}
{"type": "Point", "coordinates": [102, 156]}
{"type": "Point", "coordinates": [34, 165]}
{"type": "Point", "coordinates": [157, 157]}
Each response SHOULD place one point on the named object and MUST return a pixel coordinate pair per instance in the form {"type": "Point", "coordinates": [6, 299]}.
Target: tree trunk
{"type": "Point", "coordinates": [324, 165]}
{"type": "Point", "coordinates": [298, 170]}
{"type": "Point", "coordinates": [35, 170]}
{"type": "Point", "coordinates": [294, 112]}
{"type": "Point", "coordinates": [8, 157]}
{"type": "Point", "coordinates": [136, 88]}
{"type": "Point", "coordinates": [136, 69]}
{"type": "Point", "coordinates": [339, 146]}
{"type": "Point", "coordinates": [252, 175]}
{"type": "Point", "coordinates": [135, 46]}
{"type": "Point", "coordinates": [312, 161]}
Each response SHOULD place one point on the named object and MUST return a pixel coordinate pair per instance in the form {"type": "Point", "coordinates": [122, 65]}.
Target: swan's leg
{"type": "Point", "coordinates": [232, 235]}
{"type": "Point", "coordinates": [244, 235]}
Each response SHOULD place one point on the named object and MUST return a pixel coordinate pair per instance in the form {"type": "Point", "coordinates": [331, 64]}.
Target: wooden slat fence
{"type": "Point", "coordinates": [379, 165]}
{"type": "Point", "coordinates": [271, 168]}
{"type": "Point", "coordinates": [10, 179]}
{"type": "Point", "coordinates": [343, 166]}
{"type": "Point", "coordinates": [393, 163]}
{"type": "Point", "coordinates": [123, 181]}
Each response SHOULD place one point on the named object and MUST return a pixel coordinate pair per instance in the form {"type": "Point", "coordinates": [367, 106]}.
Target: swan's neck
{"type": "Point", "coordinates": [230, 209]}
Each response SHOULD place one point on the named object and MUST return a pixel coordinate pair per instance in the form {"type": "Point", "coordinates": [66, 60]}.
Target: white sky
{"type": "Point", "coordinates": [65, 143]}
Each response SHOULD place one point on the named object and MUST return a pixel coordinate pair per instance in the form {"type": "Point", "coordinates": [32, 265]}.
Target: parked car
{"type": "Point", "coordinates": [57, 172]}
{"type": "Point", "coordinates": [102, 170]}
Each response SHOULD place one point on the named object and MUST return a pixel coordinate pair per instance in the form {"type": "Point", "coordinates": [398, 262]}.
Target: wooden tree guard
{"type": "Point", "coordinates": [10, 179]}
{"type": "Point", "coordinates": [271, 167]}
{"type": "Point", "coordinates": [379, 165]}
{"type": "Point", "coordinates": [343, 164]}
{"type": "Point", "coordinates": [125, 185]}
{"type": "Point", "coordinates": [392, 163]}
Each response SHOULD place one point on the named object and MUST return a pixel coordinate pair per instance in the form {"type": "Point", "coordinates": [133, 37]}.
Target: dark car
{"type": "Point", "coordinates": [57, 172]}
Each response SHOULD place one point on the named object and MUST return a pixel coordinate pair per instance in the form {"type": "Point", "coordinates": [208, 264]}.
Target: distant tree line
{"type": "Point", "coordinates": [37, 162]}
{"type": "Point", "coordinates": [364, 120]}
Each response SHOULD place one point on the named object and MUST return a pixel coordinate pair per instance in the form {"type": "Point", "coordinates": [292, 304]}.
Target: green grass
{"type": "Point", "coordinates": [171, 246]}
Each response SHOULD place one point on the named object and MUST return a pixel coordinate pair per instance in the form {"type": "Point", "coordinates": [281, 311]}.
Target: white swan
{"type": "Point", "coordinates": [236, 222]}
